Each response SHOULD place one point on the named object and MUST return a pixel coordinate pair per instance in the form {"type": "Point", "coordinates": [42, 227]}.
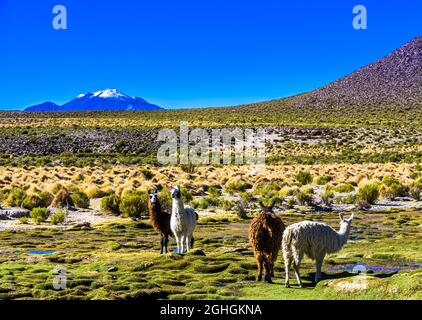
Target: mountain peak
{"type": "Point", "coordinates": [107, 99]}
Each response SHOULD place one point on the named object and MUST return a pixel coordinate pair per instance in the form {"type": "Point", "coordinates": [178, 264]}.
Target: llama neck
{"type": "Point", "coordinates": [178, 208]}
{"type": "Point", "coordinates": [343, 235]}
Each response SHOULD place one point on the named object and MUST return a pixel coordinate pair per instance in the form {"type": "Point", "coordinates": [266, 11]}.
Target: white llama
{"type": "Point", "coordinates": [182, 222]}
{"type": "Point", "coordinates": [315, 240]}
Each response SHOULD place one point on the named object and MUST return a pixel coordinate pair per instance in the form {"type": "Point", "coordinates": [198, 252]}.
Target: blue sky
{"type": "Point", "coordinates": [191, 53]}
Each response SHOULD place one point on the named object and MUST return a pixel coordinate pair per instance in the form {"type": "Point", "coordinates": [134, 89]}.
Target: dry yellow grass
{"type": "Point", "coordinates": [123, 179]}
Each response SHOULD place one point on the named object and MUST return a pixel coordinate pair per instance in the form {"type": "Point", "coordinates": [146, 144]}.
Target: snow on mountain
{"type": "Point", "coordinates": [108, 99]}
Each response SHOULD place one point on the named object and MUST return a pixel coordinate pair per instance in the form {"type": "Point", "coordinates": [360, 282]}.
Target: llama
{"type": "Point", "coordinates": [265, 234]}
{"type": "Point", "coordinates": [160, 220]}
{"type": "Point", "coordinates": [315, 240]}
{"type": "Point", "coordinates": [182, 222]}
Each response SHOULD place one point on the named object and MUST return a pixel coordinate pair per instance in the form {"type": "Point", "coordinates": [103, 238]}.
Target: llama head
{"type": "Point", "coordinates": [267, 209]}
{"type": "Point", "coordinates": [175, 192]}
{"type": "Point", "coordinates": [345, 223]}
{"type": "Point", "coordinates": [153, 196]}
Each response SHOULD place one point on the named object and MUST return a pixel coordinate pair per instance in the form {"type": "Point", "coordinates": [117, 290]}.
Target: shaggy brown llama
{"type": "Point", "coordinates": [159, 219]}
{"type": "Point", "coordinates": [265, 236]}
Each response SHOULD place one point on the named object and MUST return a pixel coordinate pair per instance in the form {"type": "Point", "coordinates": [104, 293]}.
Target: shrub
{"type": "Point", "coordinates": [304, 198]}
{"type": "Point", "coordinates": [227, 204]}
{"type": "Point", "coordinates": [246, 196]}
{"type": "Point", "coordinates": [15, 197]}
{"type": "Point", "coordinates": [344, 188]}
{"type": "Point", "coordinates": [186, 195]}
{"type": "Point", "coordinates": [206, 202]}
{"type": "Point", "coordinates": [393, 190]}
{"type": "Point", "coordinates": [349, 199]}
{"type": "Point", "coordinates": [415, 191]}
{"type": "Point", "coordinates": [236, 186]}
{"type": "Point", "coordinates": [59, 217]}
{"type": "Point", "coordinates": [327, 198]}
{"type": "Point", "coordinates": [304, 177]}
{"type": "Point", "coordinates": [148, 175]}
{"type": "Point", "coordinates": [80, 199]}
{"type": "Point", "coordinates": [62, 199]}
{"type": "Point", "coordinates": [23, 220]}
{"type": "Point", "coordinates": [134, 205]}
{"type": "Point", "coordinates": [32, 201]}
{"type": "Point", "coordinates": [368, 192]}
{"type": "Point", "coordinates": [290, 204]}
{"type": "Point", "coordinates": [214, 192]}
{"type": "Point", "coordinates": [323, 180]}
{"type": "Point", "coordinates": [164, 196]}
{"type": "Point", "coordinates": [111, 203]}
{"type": "Point", "coordinates": [39, 215]}
{"type": "Point", "coordinates": [94, 192]}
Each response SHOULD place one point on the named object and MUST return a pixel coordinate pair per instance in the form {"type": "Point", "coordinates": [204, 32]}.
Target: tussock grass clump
{"type": "Point", "coordinates": [344, 188]}
{"type": "Point", "coordinates": [303, 177]}
{"type": "Point", "coordinates": [369, 192]}
{"type": "Point", "coordinates": [236, 186]}
{"type": "Point", "coordinates": [39, 215]}
{"type": "Point", "coordinates": [62, 199]}
{"type": "Point", "coordinates": [94, 192]}
{"type": "Point", "coordinates": [80, 199]}
{"type": "Point", "coordinates": [15, 197]}
{"type": "Point", "coordinates": [134, 205]}
{"type": "Point", "coordinates": [111, 203]}
{"type": "Point", "coordinates": [59, 217]}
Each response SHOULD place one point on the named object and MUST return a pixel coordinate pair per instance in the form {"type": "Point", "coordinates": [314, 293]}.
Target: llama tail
{"type": "Point", "coordinates": [287, 240]}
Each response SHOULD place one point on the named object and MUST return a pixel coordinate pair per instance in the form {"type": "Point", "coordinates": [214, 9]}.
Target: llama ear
{"type": "Point", "coordinates": [341, 217]}
{"type": "Point", "coordinates": [261, 205]}
{"type": "Point", "coordinates": [351, 217]}
{"type": "Point", "coordinates": [272, 204]}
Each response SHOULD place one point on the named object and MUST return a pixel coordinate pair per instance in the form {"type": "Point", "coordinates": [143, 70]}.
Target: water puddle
{"type": "Point", "coordinates": [40, 252]}
{"type": "Point", "coordinates": [395, 267]}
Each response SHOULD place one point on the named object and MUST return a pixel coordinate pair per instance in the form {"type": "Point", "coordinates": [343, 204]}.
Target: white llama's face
{"type": "Point", "coordinates": [175, 192]}
{"type": "Point", "coordinates": [345, 222]}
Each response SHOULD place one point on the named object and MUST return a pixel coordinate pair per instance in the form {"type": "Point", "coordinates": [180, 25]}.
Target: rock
{"type": "Point", "coordinates": [112, 269]}
{"type": "Point", "coordinates": [13, 213]}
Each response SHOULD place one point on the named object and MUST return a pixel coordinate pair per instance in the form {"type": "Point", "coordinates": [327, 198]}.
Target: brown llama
{"type": "Point", "coordinates": [159, 219]}
{"type": "Point", "coordinates": [265, 236]}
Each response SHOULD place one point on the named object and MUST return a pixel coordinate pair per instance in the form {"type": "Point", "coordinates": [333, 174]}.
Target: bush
{"type": "Point", "coordinates": [227, 204]}
{"type": "Point", "coordinates": [39, 215]}
{"type": "Point", "coordinates": [46, 199]}
{"type": "Point", "coordinates": [327, 198]}
{"type": "Point", "coordinates": [32, 201]}
{"type": "Point", "coordinates": [23, 220]}
{"type": "Point", "coordinates": [290, 204]}
{"type": "Point", "coordinates": [304, 177]}
{"type": "Point", "coordinates": [214, 192]}
{"type": "Point", "coordinates": [304, 199]}
{"type": "Point", "coordinates": [80, 199]}
{"type": "Point", "coordinates": [186, 195]}
{"type": "Point", "coordinates": [111, 203]}
{"type": "Point", "coordinates": [134, 205]}
{"type": "Point", "coordinates": [368, 192]}
{"type": "Point", "coordinates": [59, 217]}
{"type": "Point", "coordinates": [415, 191]}
{"type": "Point", "coordinates": [94, 192]}
{"type": "Point", "coordinates": [206, 202]}
{"type": "Point", "coordinates": [62, 199]}
{"type": "Point", "coordinates": [323, 180]}
{"type": "Point", "coordinates": [15, 197]}
{"type": "Point", "coordinates": [344, 188]}
{"type": "Point", "coordinates": [349, 199]}
{"type": "Point", "coordinates": [164, 196]}
{"type": "Point", "coordinates": [236, 186]}
{"type": "Point", "coordinates": [393, 190]}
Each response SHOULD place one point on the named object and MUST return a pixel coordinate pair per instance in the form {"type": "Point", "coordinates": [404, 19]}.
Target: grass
{"type": "Point", "coordinates": [121, 261]}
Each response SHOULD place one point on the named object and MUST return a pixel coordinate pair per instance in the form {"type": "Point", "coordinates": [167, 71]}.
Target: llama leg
{"type": "Point", "coordinates": [318, 264]}
{"type": "Point", "coordinates": [162, 244]}
{"type": "Point", "coordinates": [178, 243]}
{"type": "Point", "coordinates": [192, 240]}
{"type": "Point", "coordinates": [259, 261]}
{"type": "Point", "coordinates": [166, 242]}
{"type": "Point", "coordinates": [268, 271]}
{"type": "Point", "coordinates": [287, 265]}
{"type": "Point", "coordinates": [183, 243]}
{"type": "Point", "coordinates": [188, 243]}
{"type": "Point", "coordinates": [296, 265]}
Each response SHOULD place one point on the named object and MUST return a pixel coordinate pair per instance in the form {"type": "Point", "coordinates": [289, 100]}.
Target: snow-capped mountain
{"type": "Point", "coordinates": [108, 99]}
